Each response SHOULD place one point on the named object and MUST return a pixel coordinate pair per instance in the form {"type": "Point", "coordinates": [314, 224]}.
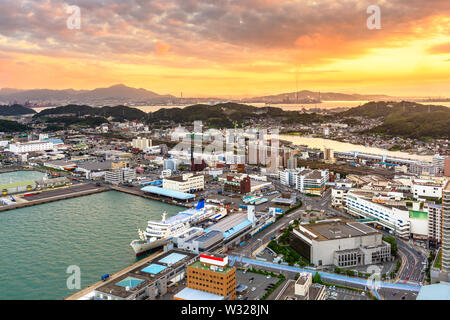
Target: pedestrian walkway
{"type": "Point", "coordinates": [325, 275]}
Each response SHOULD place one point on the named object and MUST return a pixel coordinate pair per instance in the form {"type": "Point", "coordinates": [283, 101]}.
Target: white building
{"type": "Point", "coordinates": [120, 176]}
{"type": "Point", "coordinates": [166, 173]}
{"type": "Point", "coordinates": [341, 243]}
{"type": "Point", "coordinates": [394, 218]}
{"type": "Point", "coordinates": [141, 143]}
{"type": "Point", "coordinates": [338, 195]}
{"type": "Point", "coordinates": [422, 189]}
{"type": "Point", "coordinates": [32, 146]}
{"type": "Point", "coordinates": [288, 177]}
{"type": "Point", "coordinates": [185, 182]}
{"type": "Point", "coordinates": [311, 181]}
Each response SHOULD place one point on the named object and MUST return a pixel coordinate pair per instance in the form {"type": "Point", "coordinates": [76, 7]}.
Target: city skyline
{"type": "Point", "coordinates": [228, 48]}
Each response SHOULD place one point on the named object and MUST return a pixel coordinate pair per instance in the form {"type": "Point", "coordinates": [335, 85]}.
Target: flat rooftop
{"type": "Point", "coordinates": [331, 230]}
{"type": "Point", "coordinates": [168, 193]}
{"type": "Point", "coordinates": [229, 222]}
{"type": "Point", "coordinates": [147, 273]}
{"type": "Point", "coordinates": [193, 294]}
{"type": "Point", "coordinates": [199, 265]}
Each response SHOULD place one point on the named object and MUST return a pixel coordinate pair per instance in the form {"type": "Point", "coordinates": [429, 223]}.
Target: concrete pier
{"type": "Point", "coordinates": [85, 291]}
{"type": "Point", "coordinates": [69, 194]}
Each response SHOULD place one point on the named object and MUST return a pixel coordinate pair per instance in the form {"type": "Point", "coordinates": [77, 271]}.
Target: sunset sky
{"type": "Point", "coordinates": [228, 47]}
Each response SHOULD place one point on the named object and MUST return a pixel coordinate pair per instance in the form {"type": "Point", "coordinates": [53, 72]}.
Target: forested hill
{"type": "Point", "coordinates": [118, 113]}
{"type": "Point", "coordinates": [406, 119]}
{"type": "Point", "coordinates": [15, 110]}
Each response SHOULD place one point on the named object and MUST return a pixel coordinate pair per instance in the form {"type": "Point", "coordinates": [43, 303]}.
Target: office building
{"type": "Point", "coordinates": [311, 181]}
{"type": "Point", "coordinates": [187, 182]}
{"type": "Point", "coordinates": [120, 176]}
{"type": "Point", "coordinates": [32, 146]}
{"type": "Point", "coordinates": [395, 218]}
{"type": "Point", "coordinates": [423, 189]}
{"type": "Point", "coordinates": [212, 274]}
{"type": "Point", "coordinates": [420, 168]}
{"type": "Point", "coordinates": [305, 289]}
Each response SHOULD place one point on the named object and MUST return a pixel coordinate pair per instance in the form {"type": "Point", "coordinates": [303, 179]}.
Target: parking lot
{"type": "Point", "coordinates": [393, 294]}
{"type": "Point", "coordinates": [257, 284]}
{"type": "Point", "coordinates": [334, 293]}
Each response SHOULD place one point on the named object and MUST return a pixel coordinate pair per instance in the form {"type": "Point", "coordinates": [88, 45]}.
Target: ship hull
{"type": "Point", "coordinates": [141, 248]}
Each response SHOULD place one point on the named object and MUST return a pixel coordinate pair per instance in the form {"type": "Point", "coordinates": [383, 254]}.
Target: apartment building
{"type": "Point", "coordinates": [185, 183]}
{"type": "Point", "coordinates": [141, 143]}
{"type": "Point", "coordinates": [435, 222]}
{"type": "Point", "coordinates": [446, 228]}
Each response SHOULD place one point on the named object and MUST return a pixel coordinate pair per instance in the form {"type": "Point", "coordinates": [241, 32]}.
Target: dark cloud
{"type": "Point", "coordinates": [209, 29]}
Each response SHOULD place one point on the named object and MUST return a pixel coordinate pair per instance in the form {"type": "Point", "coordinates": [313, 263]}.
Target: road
{"type": "Point", "coordinates": [414, 270]}
{"type": "Point", "coordinates": [264, 236]}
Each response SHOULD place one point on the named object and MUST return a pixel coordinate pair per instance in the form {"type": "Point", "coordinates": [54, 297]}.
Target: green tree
{"type": "Point", "coordinates": [317, 278]}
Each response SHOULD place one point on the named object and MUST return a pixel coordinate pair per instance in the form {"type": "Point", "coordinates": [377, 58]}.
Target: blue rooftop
{"type": "Point", "coordinates": [154, 268]}
{"type": "Point", "coordinates": [236, 229]}
{"type": "Point", "coordinates": [438, 291]}
{"type": "Point", "coordinates": [168, 193]}
{"type": "Point", "coordinates": [129, 282]}
{"type": "Point", "coordinates": [172, 258]}
{"type": "Point", "coordinates": [192, 294]}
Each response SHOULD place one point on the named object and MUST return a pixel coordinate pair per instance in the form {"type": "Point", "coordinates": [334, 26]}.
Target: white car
{"type": "Point", "coordinates": [254, 288]}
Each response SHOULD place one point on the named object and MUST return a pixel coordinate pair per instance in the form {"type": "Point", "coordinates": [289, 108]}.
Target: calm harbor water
{"type": "Point", "coordinates": [343, 146]}
{"type": "Point", "coordinates": [94, 232]}
{"type": "Point", "coordinates": [17, 176]}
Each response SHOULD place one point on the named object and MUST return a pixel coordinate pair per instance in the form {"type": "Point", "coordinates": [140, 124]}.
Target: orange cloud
{"type": "Point", "coordinates": [161, 48]}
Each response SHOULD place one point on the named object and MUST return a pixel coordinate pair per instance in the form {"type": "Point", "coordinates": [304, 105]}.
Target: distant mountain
{"type": "Point", "coordinates": [118, 113]}
{"type": "Point", "coordinates": [117, 94]}
{"type": "Point", "coordinates": [6, 91]}
{"type": "Point", "coordinates": [306, 96]}
{"type": "Point", "coordinates": [15, 110]}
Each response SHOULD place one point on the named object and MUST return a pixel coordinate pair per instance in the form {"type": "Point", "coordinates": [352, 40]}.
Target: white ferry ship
{"type": "Point", "coordinates": [159, 233]}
